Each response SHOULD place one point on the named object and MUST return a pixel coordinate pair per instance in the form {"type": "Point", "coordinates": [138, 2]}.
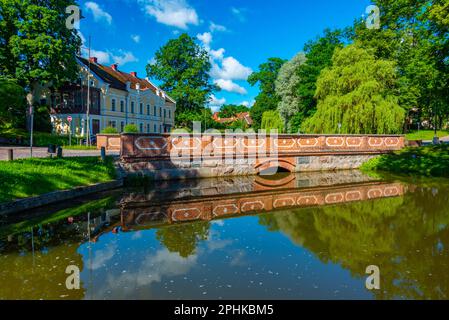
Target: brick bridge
{"type": "Point", "coordinates": [178, 156]}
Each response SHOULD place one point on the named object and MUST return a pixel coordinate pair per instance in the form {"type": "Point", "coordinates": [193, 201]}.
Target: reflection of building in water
{"type": "Point", "coordinates": [220, 199]}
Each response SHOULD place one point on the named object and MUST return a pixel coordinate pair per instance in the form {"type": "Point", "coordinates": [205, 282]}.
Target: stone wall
{"type": "Point", "coordinates": [112, 142]}
{"type": "Point", "coordinates": [168, 170]}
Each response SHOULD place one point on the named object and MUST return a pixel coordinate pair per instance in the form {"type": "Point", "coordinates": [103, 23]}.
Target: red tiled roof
{"type": "Point", "coordinates": [118, 79]}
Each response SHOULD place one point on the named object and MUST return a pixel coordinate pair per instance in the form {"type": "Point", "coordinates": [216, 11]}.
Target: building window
{"type": "Point", "coordinates": [155, 129]}
{"type": "Point", "coordinates": [141, 127]}
{"type": "Point", "coordinates": [141, 108]}
{"type": "Point", "coordinates": [113, 105]}
{"type": "Point", "coordinates": [165, 113]}
{"type": "Point", "coordinates": [148, 128]}
{"type": "Point", "coordinates": [148, 109]}
{"type": "Point", "coordinates": [112, 124]}
{"type": "Point", "coordinates": [132, 106]}
{"type": "Point", "coordinates": [122, 126]}
{"type": "Point", "coordinates": [155, 113]}
{"type": "Point", "coordinates": [160, 112]}
{"type": "Point", "coordinates": [122, 106]}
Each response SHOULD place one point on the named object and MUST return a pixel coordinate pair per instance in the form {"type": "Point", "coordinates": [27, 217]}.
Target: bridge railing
{"type": "Point", "coordinates": [215, 145]}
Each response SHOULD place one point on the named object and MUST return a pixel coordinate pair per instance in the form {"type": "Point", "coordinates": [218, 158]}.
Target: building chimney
{"type": "Point", "coordinates": [134, 74]}
{"type": "Point", "coordinates": [114, 67]}
{"type": "Point", "coordinates": [93, 59]}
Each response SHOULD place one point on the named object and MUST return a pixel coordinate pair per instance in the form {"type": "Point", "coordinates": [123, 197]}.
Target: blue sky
{"type": "Point", "coordinates": [239, 34]}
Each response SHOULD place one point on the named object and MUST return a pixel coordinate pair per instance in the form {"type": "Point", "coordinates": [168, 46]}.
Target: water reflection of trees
{"type": "Point", "coordinates": [408, 238]}
{"type": "Point", "coordinates": [183, 238]}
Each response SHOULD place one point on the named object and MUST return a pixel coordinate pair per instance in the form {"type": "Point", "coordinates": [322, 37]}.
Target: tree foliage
{"type": "Point", "coordinates": [267, 98]}
{"type": "Point", "coordinates": [319, 54]}
{"type": "Point", "coordinates": [287, 84]}
{"type": "Point", "coordinates": [231, 110]}
{"type": "Point", "coordinates": [12, 103]}
{"type": "Point", "coordinates": [358, 92]}
{"type": "Point", "coordinates": [183, 68]}
{"type": "Point", "coordinates": [271, 120]}
{"type": "Point", "coordinates": [414, 34]}
{"type": "Point", "coordinates": [36, 46]}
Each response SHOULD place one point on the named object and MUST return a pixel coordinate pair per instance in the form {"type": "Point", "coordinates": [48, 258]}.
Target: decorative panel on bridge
{"type": "Point", "coordinates": [211, 146]}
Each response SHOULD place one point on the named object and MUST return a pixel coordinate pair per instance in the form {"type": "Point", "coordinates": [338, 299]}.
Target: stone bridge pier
{"type": "Point", "coordinates": [180, 156]}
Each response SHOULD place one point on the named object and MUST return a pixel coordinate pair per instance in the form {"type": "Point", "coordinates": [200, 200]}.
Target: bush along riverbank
{"type": "Point", "coordinates": [427, 161]}
{"type": "Point", "coordinates": [33, 177]}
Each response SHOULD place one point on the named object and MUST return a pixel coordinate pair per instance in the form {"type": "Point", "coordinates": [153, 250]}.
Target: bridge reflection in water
{"type": "Point", "coordinates": [222, 198]}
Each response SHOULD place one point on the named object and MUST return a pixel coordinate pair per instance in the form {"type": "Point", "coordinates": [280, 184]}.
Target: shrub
{"type": "Point", "coordinates": [109, 130]}
{"type": "Point", "coordinates": [130, 128]}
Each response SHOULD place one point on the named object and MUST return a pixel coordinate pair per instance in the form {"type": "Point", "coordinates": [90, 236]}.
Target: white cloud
{"type": "Point", "coordinates": [230, 86]}
{"type": "Point", "coordinates": [205, 38]}
{"type": "Point", "coordinates": [175, 13]}
{"type": "Point", "coordinates": [124, 58]}
{"type": "Point", "coordinates": [216, 27]}
{"type": "Point", "coordinates": [102, 56]}
{"type": "Point", "coordinates": [105, 57]}
{"type": "Point", "coordinates": [98, 13]}
{"type": "Point", "coordinates": [231, 69]}
{"type": "Point", "coordinates": [216, 103]}
{"type": "Point", "coordinates": [247, 103]}
{"type": "Point", "coordinates": [217, 54]}
{"type": "Point", "coordinates": [239, 13]}
{"type": "Point", "coordinates": [135, 38]}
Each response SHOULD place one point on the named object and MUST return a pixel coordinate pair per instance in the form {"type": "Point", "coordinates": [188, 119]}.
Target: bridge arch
{"type": "Point", "coordinates": [283, 165]}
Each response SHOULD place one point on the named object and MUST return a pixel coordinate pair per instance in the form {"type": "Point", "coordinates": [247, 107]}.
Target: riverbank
{"type": "Point", "coordinates": [430, 161]}
{"type": "Point", "coordinates": [26, 178]}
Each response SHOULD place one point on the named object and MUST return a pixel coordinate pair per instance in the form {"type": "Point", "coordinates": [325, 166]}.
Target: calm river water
{"type": "Point", "coordinates": [305, 236]}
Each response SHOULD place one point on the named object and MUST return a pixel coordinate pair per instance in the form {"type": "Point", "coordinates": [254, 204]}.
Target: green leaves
{"type": "Point", "coordinates": [267, 98]}
{"type": "Point", "coordinates": [358, 92]}
{"type": "Point", "coordinates": [183, 67]}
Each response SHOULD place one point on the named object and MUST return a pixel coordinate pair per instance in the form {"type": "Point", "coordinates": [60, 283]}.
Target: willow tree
{"type": "Point", "coordinates": [287, 84]}
{"type": "Point", "coordinates": [358, 92]}
{"type": "Point", "coordinates": [271, 120]}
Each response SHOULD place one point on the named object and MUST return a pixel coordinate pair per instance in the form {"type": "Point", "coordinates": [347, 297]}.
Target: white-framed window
{"type": "Point", "coordinates": [141, 127]}
{"type": "Point", "coordinates": [112, 123]}
{"type": "Point", "coordinates": [148, 109]}
{"type": "Point", "coordinates": [132, 106]}
{"type": "Point", "coordinates": [113, 105]}
{"type": "Point", "coordinates": [148, 128]}
{"type": "Point", "coordinates": [141, 108]}
{"type": "Point", "coordinates": [122, 106]}
{"type": "Point", "coordinates": [122, 126]}
{"type": "Point", "coordinates": [155, 128]}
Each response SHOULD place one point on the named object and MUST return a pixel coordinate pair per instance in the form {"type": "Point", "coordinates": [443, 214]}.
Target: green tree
{"type": "Point", "coordinates": [37, 48]}
{"type": "Point", "coordinates": [267, 98]}
{"type": "Point", "coordinates": [414, 35]}
{"type": "Point", "coordinates": [271, 120]}
{"type": "Point", "coordinates": [231, 110]}
{"type": "Point", "coordinates": [358, 92]}
{"type": "Point", "coordinates": [183, 68]}
{"type": "Point", "coordinates": [183, 238]}
{"type": "Point", "coordinates": [12, 103]}
{"type": "Point", "coordinates": [287, 84]}
{"type": "Point", "coordinates": [319, 54]}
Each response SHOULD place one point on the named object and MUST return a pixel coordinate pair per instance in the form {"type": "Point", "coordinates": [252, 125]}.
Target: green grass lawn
{"type": "Point", "coordinates": [425, 135]}
{"type": "Point", "coordinates": [425, 161]}
{"type": "Point", "coordinates": [32, 177]}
